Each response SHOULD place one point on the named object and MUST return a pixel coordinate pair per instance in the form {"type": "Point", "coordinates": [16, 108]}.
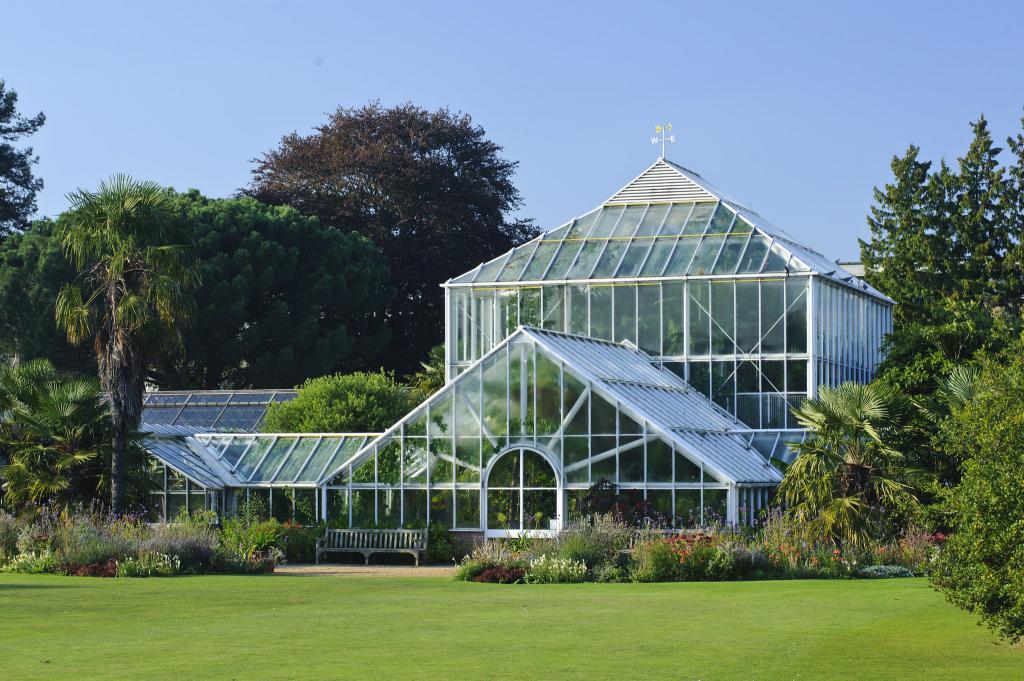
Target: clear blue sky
{"type": "Point", "coordinates": [794, 108]}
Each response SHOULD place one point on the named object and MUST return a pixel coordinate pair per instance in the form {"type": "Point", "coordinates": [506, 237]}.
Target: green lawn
{"type": "Point", "coordinates": [338, 627]}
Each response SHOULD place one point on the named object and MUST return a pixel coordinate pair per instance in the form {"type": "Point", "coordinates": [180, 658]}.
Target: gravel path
{"type": "Point", "coordinates": [367, 570]}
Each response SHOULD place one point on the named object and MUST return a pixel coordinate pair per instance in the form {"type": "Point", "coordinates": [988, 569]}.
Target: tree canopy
{"type": "Point", "coordinates": [18, 186]}
{"type": "Point", "coordinates": [360, 402]}
{"type": "Point", "coordinates": [427, 187]}
{"type": "Point", "coordinates": [283, 298]}
{"type": "Point", "coordinates": [981, 567]}
{"type": "Point", "coordinates": [946, 245]}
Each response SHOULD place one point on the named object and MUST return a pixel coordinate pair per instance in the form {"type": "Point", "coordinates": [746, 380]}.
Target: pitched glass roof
{"type": "Point", "coordinates": [217, 460]}
{"type": "Point", "coordinates": [211, 410]}
{"type": "Point", "coordinates": [667, 222]}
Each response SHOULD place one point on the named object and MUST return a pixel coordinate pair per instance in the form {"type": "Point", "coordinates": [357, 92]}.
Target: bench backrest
{"type": "Point", "coordinates": [376, 539]}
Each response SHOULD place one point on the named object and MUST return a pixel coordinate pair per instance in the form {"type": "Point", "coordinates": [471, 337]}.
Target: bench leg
{"type": "Point", "coordinates": [318, 556]}
{"type": "Point", "coordinates": [417, 557]}
{"type": "Point", "coordinates": [366, 555]}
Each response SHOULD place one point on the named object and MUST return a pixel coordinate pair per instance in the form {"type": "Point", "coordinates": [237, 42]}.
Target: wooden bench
{"type": "Point", "coordinates": [369, 542]}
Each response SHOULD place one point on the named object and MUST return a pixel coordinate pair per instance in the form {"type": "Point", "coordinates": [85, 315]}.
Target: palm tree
{"type": "Point", "coordinates": [130, 296]}
{"type": "Point", "coordinates": [52, 432]}
{"type": "Point", "coordinates": [848, 472]}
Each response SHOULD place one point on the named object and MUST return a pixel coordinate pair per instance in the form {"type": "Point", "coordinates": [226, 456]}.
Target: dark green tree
{"type": "Point", "coordinates": [360, 402]}
{"type": "Point", "coordinates": [32, 271]}
{"type": "Point", "coordinates": [18, 187]}
{"type": "Point", "coordinates": [981, 566]}
{"type": "Point", "coordinates": [427, 187]}
{"type": "Point", "coordinates": [283, 298]}
{"type": "Point", "coordinates": [944, 244]}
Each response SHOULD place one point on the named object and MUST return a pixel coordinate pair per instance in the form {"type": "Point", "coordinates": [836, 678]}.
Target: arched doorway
{"type": "Point", "coordinates": [522, 495]}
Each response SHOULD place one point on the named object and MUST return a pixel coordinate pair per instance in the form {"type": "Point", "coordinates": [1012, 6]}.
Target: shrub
{"type": "Point", "coordinates": [32, 563]}
{"type": "Point", "coordinates": [440, 544]}
{"type": "Point", "coordinates": [361, 402]}
{"type": "Point", "coordinates": [250, 540]}
{"type": "Point", "coordinates": [552, 570]}
{"type": "Point", "coordinates": [501, 574]}
{"type": "Point", "coordinates": [8, 537]}
{"type": "Point", "coordinates": [299, 542]}
{"type": "Point", "coordinates": [654, 561]}
{"type": "Point", "coordinates": [470, 568]}
{"type": "Point", "coordinates": [106, 568]}
{"type": "Point", "coordinates": [90, 539]}
{"type": "Point", "coordinates": [149, 565]}
{"type": "Point", "coordinates": [192, 544]}
{"type": "Point", "coordinates": [609, 573]}
{"type": "Point", "coordinates": [884, 572]}
{"type": "Point", "coordinates": [595, 541]}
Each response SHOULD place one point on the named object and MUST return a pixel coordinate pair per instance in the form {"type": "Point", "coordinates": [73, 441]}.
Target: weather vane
{"type": "Point", "coordinates": [663, 136]}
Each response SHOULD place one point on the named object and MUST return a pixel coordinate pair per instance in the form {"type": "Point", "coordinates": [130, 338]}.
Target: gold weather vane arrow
{"type": "Point", "coordinates": [663, 136]}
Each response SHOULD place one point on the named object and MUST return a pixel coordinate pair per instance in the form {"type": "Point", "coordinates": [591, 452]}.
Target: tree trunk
{"type": "Point", "coordinates": [118, 454]}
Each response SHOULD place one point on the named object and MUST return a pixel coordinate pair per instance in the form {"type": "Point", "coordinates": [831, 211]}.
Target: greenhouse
{"type": "Point", "coordinates": [656, 345]}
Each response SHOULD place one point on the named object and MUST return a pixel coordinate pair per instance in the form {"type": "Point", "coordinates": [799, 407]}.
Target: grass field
{"type": "Point", "coordinates": [301, 627]}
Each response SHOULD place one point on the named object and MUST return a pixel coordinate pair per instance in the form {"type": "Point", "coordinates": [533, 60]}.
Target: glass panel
{"type": "Point", "coordinates": [722, 220]}
{"type": "Point", "coordinates": [529, 307]}
{"type": "Point", "coordinates": [706, 254]}
{"type": "Point", "coordinates": [415, 460]}
{"type": "Point", "coordinates": [503, 509]}
{"type": "Point", "coordinates": [549, 396]}
{"type": "Point", "coordinates": [653, 218]}
{"type": "Point", "coordinates": [628, 224]}
{"type": "Point", "coordinates": [467, 452]}
{"type": "Point", "coordinates": [389, 463]}
{"type": "Point", "coordinates": [508, 311]}
{"type": "Point", "coordinates": [698, 218]}
{"type": "Point", "coordinates": [682, 255]}
{"type": "Point", "coordinates": [649, 318]}
{"type": "Point", "coordinates": [672, 318]}
{"type": "Point", "coordinates": [541, 259]}
{"type": "Point", "coordinates": [631, 465]}
{"type": "Point", "coordinates": [660, 251]}
{"type": "Point", "coordinates": [579, 316]}
{"type": "Point", "coordinates": [700, 377]}
{"type": "Point", "coordinates": [687, 508]}
{"type": "Point", "coordinates": [606, 222]}
{"type": "Point", "coordinates": [660, 501]}
{"type": "Point", "coordinates": [563, 259]}
{"type": "Point", "coordinates": [324, 455]}
{"type": "Point", "coordinates": [777, 259]}
{"type": "Point", "coordinates": [416, 424]}
{"type": "Point", "coordinates": [772, 379]}
{"type": "Point", "coordinates": [601, 312]}
{"type": "Point", "coordinates": [495, 394]}
{"type": "Point", "coordinates": [748, 331]}
{"type": "Point", "coordinates": [577, 449]}
{"type": "Point", "coordinates": [748, 395]}
{"type": "Point", "coordinates": [796, 315]}
{"type": "Point", "coordinates": [634, 257]}
{"type": "Point", "coordinates": [362, 508]}
{"type": "Point", "coordinates": [659, 461]}
{"type": "Point", "coordinates": [754, 255]}
{"type": "Point", "coordinates": [796, 376]}
{"type": "Point", "coordinates": [234, 450]}
{"type": "Point", "coordinates": [441, 457]}
{"type": "Point", "coordinates": [730, 255]}
{"type": "Point", "coordinates": [700, 317]}
{"type": "Point", "coordinates": [389, 507]}
{"type": "Point", "coordinates": [298, 457]}
{"type": "Point", "coordinates": [554, 308]}
{"type": "Point", "coordinates": [625, 314]}
{"type": "Point", "coordinates": [686, 470]}
{"type": "Point", "coordinates": [441, 510]}
{"type": "Point", "coordinates": [715, 506]}
{"type": "Point", "coordinates": [505, 472]}
{"type": "Point", "coordinates": [337, 508]}
{"type": "Point", "coordinates": [488, 271]}
{"type": "Point", "coordinates": [723, 378]}
{"type": "Point", "coordinates": [467, 403]}
{"type": "Point", "coordinates": [772, 309]}
{"type": "Point", "coordinates": [521, 390]}
{"type": "Point", "coordinates": [588, 256]}
{"type": "Point", "coordinates": [540, 507]}
{"type": "Point", "coordinates": [414, 507]}
{"type": "Point", "coordinates": [579, 423]}
{"type": "Point", "coordinates": [537, 472]}
{"type": "Point", "coordinates": [467, 506]}
{"type": "Point", "coordinates": [517, 262]}
{"type": "Point", "coordinates": [610, 259]}
{"type": "Point", "coordinates": [602, 416]}
{"type": "Point", "coordinates": [722, 323]}
{"type": "Point", "coordinates": [252, 457]}
{"type": "Point", "coordinates": [441, 411]}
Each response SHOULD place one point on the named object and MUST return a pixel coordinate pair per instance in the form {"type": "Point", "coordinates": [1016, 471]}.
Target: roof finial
{"type": "Point", "coordinates": [663, 136]}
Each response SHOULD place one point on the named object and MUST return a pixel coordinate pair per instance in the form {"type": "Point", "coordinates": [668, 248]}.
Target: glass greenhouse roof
{"type": "Point", "coordinates": [668, 222]}
{"type": "Point", "coordinates": [218, 460]}
{"type": "Point", "coordinates": [211, 410]}
{"type": "Point", "coordinates": [617, 374]}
